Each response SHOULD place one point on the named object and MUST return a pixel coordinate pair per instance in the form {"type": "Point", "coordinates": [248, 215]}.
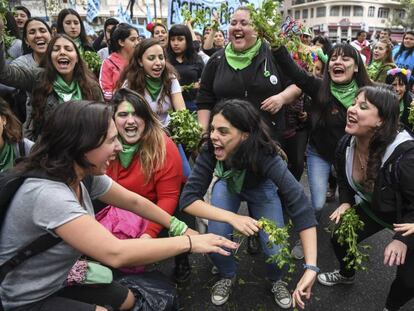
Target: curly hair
{"type": "Point", "coordinates": [134, 73]}
{"type": "Point", "coordinates": [81, 74]}
{"type": "Point", "coordinates": [387, 104]}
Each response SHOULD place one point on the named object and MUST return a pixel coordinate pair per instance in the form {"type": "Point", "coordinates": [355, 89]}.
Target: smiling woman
{"type": "Point", "coordinates": [63, 77]}
{"type": "Point", "coordinates": [151, 76]}
{"type": "Point", "coordinates": [79, 140]}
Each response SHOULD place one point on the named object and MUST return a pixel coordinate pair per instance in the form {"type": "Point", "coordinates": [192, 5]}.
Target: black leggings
{"type": "Point", "coordinates": [402, 288]}
{"type": "Point", "coordinates": [82, 298]}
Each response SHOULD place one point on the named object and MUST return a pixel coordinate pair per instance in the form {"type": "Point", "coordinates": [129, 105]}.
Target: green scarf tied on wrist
{"type": "Point", "coordinates": [7, 157]}
{"type": "Point", "coordinates": [373, 69]}
{"type": "Point", "coordinates": [153, 86]}
{"type": "Point", "coordinates": [127, 154]}
{"type": "Point", "coordinates": [345, 93]}
{"type": "Point", "coordinates": [67, 92]}
{"type": "Point", "coordinates": [78, 43]}
{"type": "Point", "coordinates": [234, 178]}
{"type": "Point", "coordinates": [240, 60]}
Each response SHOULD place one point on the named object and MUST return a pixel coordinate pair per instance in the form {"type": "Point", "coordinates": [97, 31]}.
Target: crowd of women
{"type": "Point", "coordinates": [113, 182]}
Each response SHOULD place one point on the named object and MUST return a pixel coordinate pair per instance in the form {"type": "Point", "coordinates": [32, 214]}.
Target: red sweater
{"type": "Point", "coordinates": [111, 70]}
{"type": "Point", "coordinates": [163, 189]}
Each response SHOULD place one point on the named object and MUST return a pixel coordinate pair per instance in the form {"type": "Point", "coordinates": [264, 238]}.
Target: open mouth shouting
{"type": "Point", "coordinates": [63, 63]}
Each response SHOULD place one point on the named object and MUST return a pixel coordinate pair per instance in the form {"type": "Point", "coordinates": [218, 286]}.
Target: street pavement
{"type": "Point", "coordinates": [252, 291]}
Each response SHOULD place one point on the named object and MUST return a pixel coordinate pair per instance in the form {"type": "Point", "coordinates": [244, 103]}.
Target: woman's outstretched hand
{"type": "Point", "coordinates": [244, 224]}
{"type": "Point", "coordinates": [406, 229]}
{"type": "Point", "coordinates": [336, 215]}
{"type": "Point", "coordinates": [211, 243]}
{"type": "Point", "coordinates": [394, 253]}
{"type": "Point", "coordinates": [303, 288]}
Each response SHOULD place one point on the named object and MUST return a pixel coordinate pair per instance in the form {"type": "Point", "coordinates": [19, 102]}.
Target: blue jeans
{"type": "Point", "coordinates": [318, 176]}
{"type": "Point", "coordinates": [262, 201]}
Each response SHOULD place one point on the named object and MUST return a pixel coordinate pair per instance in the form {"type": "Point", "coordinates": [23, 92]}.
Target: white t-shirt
{"type": "Point", "coordinates": [166, 102]}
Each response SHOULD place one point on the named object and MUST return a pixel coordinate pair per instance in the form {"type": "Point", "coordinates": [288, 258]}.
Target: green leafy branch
{"type": "Point", "coordinates": [198, 17]}
{"type": "Point", "coordinates": [185, 129]}
{"type": "Point", "coordinates": [411, 115]}
{"type": "Point", "coordinates": [280, 237]}
{"type": "Point", "coordinates": [187, 87]}
{"type": "Point", "coordinates": [347, 235]}
{"type": "Point", "coordinates": [4, 34]}
{"type": "Point", "coordinates": [93, 60]}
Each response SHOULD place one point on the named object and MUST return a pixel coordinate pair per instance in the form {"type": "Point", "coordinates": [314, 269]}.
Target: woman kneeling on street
{"type": "Point", "coordinates": [241, 153]}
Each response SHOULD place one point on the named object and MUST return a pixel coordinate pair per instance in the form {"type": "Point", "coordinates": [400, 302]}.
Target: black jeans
{"type": "Point", "coordinates": [294, 148]}
{"type": "Point", "coordinates": [82, 298]}
{"type": "Point", "coordinates": [402, 288]}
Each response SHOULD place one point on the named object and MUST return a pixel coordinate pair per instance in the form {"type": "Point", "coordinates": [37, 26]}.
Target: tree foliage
{"type": "Point", "coordinates": [408, 21]}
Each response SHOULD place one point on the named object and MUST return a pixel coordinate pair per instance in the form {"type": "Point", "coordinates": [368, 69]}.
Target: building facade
{"type": "Point", "coordinates": [340, 20]}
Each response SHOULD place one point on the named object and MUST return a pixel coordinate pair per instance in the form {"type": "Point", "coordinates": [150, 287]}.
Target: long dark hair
{"type": "Point", "coordinates": [62, 14]}
{"type": "Point", "coordinates": [119, 32]}
{"type": "Point", "coordinates": [13, 129]}
{"type": "Point", "coordinates": [403, 48]}
{"type": "Point", "coordinates": [190, 53]}
{"type": "Point", "coordinates": [326, 43]}
{"type": "Point", "coordinates": [26, 48]}
{"type": "Point", "coordinates": [152, 150]}
{"type": "Point", "coordinates": [11, 25]}
{"type": "Point", "coordinates": [361, 77]}
{"type": "Point", "coordinates": [246, 118]}
{"type": "Point", "coordinates": [134, 73]}
{"type": "Point", "coordinates": [388, 107]}
{"type": "Point", "coordinates": [72, 130]}
{"type": "Point", "coordinates": [81, 73]}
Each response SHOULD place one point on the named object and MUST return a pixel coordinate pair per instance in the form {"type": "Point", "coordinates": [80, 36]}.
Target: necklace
{"type": "Point", "coordinates": [362, 164]}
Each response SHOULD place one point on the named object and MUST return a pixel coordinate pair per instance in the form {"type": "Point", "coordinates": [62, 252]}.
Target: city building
{"type": "Point", "coordinates": [340, 20]}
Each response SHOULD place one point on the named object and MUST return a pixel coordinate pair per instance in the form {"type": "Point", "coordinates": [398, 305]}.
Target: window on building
{"type": "Point", "coordinates": [305, 13]}
{"type": "Point", "coordinates": [399, 14]}
{"type": "Point", "coordinates": [346, 10]}
{"type": "Point", "coordinates": [371, 11]}
{"type": "Point", "coordinates": [358, 11]}
{"type": "Point", "coordinates": [297, 14]}
{"type": "Point", "coordinates": [311, 12]}
{"type": "Point", "coordinates": [334, 11]}
{"type": "Point", "coordinates": [321, 11]}
{"type": "Point", "coordinates": [289, 12]}
{"type": "Point", "coordinates": [383, 12]}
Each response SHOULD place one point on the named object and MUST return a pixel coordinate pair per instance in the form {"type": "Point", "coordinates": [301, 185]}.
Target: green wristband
{"type": "Point", "coordinates": [177, 227]}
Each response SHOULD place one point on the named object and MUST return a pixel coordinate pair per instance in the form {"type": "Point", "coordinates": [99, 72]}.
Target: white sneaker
{"type": "Point", "coordinates": [281, 294]}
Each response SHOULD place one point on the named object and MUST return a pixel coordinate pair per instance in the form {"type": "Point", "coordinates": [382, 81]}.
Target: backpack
{"type": "Point", "coordinates": [10, 182]}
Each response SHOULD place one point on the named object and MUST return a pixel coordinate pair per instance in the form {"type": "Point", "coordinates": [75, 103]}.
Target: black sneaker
{"type": "Point", "coordinates": [253, 244]}
{"type": "Point", "coordinates": [220, 291]}
{"type": "Point", "coordinates": [334, 278]}
{"type": "Point", "coordinates": [281, 294]}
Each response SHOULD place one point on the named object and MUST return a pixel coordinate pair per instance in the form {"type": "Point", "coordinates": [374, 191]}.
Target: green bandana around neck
{"type": "Point", "coordinates": [373, 69]}
{"type": "Point", "coordinates": [153, 85]}
{"type": "Point", "coordinates": [67, 92]}
{"type": "Point", "coordinates": [79, 45]}
{"type": "Point", "coordinates": [240, 60]}
{"type": "Point", "coordinates": [401, 107]}
{"type": "Point", "coordinates": [7, 157]}
{"type": "Point", "coordinates": [345, 93]}
{"type": "Point", "coordinates": [233, 177]}
{"type": "Point", "coordinates": [127, 154]}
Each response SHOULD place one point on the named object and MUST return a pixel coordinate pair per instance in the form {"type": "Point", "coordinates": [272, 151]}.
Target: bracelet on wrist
{"type": "Point", "coordinates": [311, 267]}
{"type": "Point", "coordinates": [191, 244]}
{"type": "Point", "coordinates": [177, 227]}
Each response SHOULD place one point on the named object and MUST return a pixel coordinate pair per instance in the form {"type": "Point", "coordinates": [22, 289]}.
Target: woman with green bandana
{"type": "Point", "coordinates": [70, 23]}
{"type": "Point", "coordinates": [399, 79]}
{"type": "Point", "coordinates": [12, 143]}
{"type": "Point", "coordinates": [151, 76]}
{"type": "Point", "coordinates": [241, 154]}
{"type": "Point", "coordinates": [245, 69]}
{"type": "Point", "coordinates": [149, 164]}
{"type": "Point", "coordinates": [381, 62]}
{"type": "Point", "coordinates": [63, 77]}
{"type": "Point", "coordinates": [331, 96]}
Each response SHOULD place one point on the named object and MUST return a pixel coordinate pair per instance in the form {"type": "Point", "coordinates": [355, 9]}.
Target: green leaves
{"type": "Point", "coordinates": [185, 129]}
{"type": "Point", "coordinates": [346, 233]}
{"type": "Point", "coordinates": [93, 60]}
{"type": "Point", "coordinates": [278, 236]}
{"type": "Point", "coordinates": [199, 17]}
{"type": "Point", "coordinates": [411, 115]}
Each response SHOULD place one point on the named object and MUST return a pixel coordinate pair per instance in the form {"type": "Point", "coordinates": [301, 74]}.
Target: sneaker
{"type": "Point", "coordinates": [253, 244]}
{"type": "Point", "coordinates": [281, 294]}
{"type": "Point", "coordinates": [334, 278]}
{"type": "Point", "coordinates": [220, 292]}
{"type": "Point", "coordinates": [297, 250]}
